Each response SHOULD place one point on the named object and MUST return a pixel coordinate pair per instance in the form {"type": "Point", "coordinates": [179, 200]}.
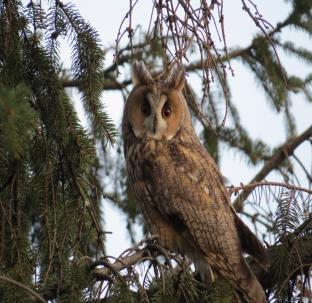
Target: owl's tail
{"type": "Point", "coordinates": [243, 279]}
{"type": "Point", "coordinates": [249, 285]}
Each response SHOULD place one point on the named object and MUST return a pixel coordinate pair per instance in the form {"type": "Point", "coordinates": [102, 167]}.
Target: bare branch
{"type": "Point", "coordinates": [132, 256]}
{"type": "Point", "coordinates": [235, 189]}
{"type": "Point", "coordinates": [120, 264]}
{"type": "Point", "coordinates": [107, 85]}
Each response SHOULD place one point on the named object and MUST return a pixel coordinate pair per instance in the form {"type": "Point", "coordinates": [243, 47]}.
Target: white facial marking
{"type": "Point", "coordinates": [152, 129]}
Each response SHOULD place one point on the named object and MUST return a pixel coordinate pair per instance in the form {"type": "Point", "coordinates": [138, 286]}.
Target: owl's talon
{"type": "Point", "coordinates": [154, 249]}
{"type": "Point", "coordinates": [151, 244]}
{"type": "Point", "coordinates": [152, 238]}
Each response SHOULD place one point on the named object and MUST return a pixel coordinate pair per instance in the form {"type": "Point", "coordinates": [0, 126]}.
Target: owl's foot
{"type": "Point", "coordinates": [152, 238]}
{"type": "Point", "coordinates": [147, 240]}
{"type": "Point", "coordinates": [154, 249]}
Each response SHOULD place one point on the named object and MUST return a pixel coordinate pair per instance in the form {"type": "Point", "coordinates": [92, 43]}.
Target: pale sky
{"type": "Point", "coordinates": [249, 97]}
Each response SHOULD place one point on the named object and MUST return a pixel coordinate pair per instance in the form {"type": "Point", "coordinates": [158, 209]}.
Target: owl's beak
{"type": "Point", "coordinates": [154, 124]}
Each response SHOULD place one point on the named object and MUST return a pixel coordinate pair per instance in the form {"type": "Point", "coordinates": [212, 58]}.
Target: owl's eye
{"type": "Point", "coordinates": [166, 111]}
{"type": "Point", "coordinates": [145, 109]}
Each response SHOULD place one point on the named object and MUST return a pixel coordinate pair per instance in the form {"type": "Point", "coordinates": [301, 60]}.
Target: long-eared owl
{"type": "Point", "coordinates": [178, 186]}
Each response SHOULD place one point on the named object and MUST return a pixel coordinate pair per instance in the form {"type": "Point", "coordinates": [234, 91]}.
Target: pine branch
{"type": "Point", "coordinates": [283, 152]}
{"type": "Point", "coordinates": [304, 226]}
{"type": "Point", "coordinates": [301, 260]}
{"type": "Point", "coordinates": [87, 61]}
{"type": "Point", "coordinates": [237, 137]}
{"type": "Point", "coordinates": [287, 215]}
{"type": "Point", "coordinates": [31, 292]}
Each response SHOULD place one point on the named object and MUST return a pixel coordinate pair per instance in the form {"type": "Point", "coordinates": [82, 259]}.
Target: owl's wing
{"type": "Point", "coordinates": [250, 243]}
{"type": "Point", "coordinates": [188, 189]}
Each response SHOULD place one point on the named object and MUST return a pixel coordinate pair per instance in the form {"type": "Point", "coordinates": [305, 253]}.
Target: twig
{"type": "Point", "coordinates": [308, 175]}
{"type": "Point", "coordinates": [121, 33]}
{"type": "Point", "coordinates": [307, 223]}
{"type": "Point", "coordinates": [266, 34]}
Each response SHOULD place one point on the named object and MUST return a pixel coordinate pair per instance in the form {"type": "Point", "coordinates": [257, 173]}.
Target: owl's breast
{"type": "Point", "coordinates": [148, 151]}
{"type": "Point", "coordinates": [174, 170]}
{"type": "Point", "coordinates": [146, 162]}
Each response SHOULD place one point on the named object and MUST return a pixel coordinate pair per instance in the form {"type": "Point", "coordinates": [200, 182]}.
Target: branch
{"type": "Point", "coordinates": [107, 85]}
{"type": "Point", "coordinates": [232, 55]}
{"type": "Point", "coordinates": [23, 286]}
{"type": "Point", "coordinates": [281, 154]}
{"type": "Point", "coordinates": [115, 85]}
{"type": "Point", "coordinates": [261, 23]}
{"type": "Point", "coordinates": [304, 226]}
{"type": "Point", "coordinates": [299, 258]}
{"type": "Point", "coordinates": [119, 264]}
{"type": "Point", "coordinates": [124, 58]}
{"type": "Point", "coordinates": [133, 256]}
{"type": "Point", "coordinates": [235, 189]}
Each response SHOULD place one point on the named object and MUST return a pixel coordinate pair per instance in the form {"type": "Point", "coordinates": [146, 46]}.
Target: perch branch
{"type": "Point", "coordinates": [120, 264]}
{"type": "Point", "coordinates": [264, 277]}
{"type": "Point", "coordinates": [131, 257]}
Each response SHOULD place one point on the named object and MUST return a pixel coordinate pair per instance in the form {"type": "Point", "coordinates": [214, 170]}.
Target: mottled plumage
{"type": "Point", "coordinates": [178, 185]}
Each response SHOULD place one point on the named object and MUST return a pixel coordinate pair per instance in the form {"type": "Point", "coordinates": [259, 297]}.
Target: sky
{"type": "Point", "coordinates": [106, 17]}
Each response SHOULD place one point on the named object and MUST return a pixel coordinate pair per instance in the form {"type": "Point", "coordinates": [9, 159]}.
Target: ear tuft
{"type": "Point", "coordinates": [176, 78]}
{"type": "Point", "coordinates": [140, 74]}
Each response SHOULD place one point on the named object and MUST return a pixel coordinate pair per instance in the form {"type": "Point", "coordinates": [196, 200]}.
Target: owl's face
{"type": "Point", "coordinates": [155, 108]}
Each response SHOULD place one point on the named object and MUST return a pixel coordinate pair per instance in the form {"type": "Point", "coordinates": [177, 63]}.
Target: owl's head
{"type": "Point", "coordinates": [156, 108]}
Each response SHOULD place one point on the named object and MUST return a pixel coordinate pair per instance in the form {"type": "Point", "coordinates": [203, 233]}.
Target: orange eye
{"type": "Point", "coordinates": [166, 111]}
{"type": "Point", "coordinates": [145, 109]}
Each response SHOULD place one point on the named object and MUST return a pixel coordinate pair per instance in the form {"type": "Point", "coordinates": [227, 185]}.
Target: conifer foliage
{"type": "Point", "coordinates": [49, 189]}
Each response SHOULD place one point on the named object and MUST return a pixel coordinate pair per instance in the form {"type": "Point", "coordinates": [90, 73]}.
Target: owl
{"type": "Point", "coordinates": [178, 186]}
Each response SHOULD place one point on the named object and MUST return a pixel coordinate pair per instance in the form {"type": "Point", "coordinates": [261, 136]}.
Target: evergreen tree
{"type": "Point", "coordinates": [49, 186]}
{"type": "Point", "coordinates": [51, 237]}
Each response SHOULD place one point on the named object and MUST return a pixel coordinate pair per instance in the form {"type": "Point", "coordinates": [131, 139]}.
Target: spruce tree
{"type": "Point", "coordinates": [49, 186]}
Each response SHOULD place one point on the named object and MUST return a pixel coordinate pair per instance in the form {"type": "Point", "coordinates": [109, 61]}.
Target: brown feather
{"type": "Point", "coordinates": [251, 244]}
